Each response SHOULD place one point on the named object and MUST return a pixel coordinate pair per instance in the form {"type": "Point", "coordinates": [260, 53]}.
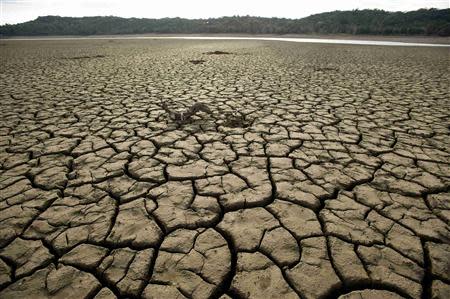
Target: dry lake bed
{"type": "Point", "coordinates": [307, 171]}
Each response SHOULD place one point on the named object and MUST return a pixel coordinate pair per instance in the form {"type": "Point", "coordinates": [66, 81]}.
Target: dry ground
{"type": "Point", "coordinates": [322, 171]}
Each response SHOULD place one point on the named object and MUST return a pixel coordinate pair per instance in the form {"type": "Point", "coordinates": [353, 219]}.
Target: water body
{"type": "Point", "coordinates": [281, 39]}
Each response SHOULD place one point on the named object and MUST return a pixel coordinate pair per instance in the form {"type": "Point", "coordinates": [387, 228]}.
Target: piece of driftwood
{"type": "Point", "coordinates": [197, 61]}
{"type": "Point", "coordinates": [234, 119]}
{"type": "Point", "coordinates": [85, 57]}
{"type": "Point", "coordinates": [217, 53]}
{"type": "Point", "coordinates": [325, 69]}
{"type": "Point", "coordinates": [184, 117]}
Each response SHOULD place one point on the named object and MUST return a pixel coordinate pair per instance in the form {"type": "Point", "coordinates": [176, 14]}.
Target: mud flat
{"type": "Point", "coordinates": [304, 170]}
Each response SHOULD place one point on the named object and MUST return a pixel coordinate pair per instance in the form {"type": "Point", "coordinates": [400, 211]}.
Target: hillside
{"type": "Point", "coordinates": [377, 22]}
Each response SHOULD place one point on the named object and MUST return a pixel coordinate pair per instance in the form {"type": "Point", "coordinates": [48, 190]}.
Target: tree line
{"type": "Point", "coordinates": [368, 21]}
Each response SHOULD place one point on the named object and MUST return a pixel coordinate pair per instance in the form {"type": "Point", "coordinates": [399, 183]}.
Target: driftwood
{"type": "Point", "coordinates": [198, 61]}
{"type": "Point", "coordinates": [85, 57]}
{"type": "Point", "coordinates": [324, 69]}
{"type": "Point", "coordinates": [184, 117]}
{"type": "Point", "coordinates": [233, 119]}
{"type": "Point", "coordinates": [217, 53]}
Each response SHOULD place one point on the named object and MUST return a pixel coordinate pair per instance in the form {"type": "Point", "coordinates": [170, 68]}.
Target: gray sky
{"type": "Point", "coordinates": [17, 11]}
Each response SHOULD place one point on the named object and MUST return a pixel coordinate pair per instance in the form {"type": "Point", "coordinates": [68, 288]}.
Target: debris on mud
{"type": "Point", "coordinates": [217, 53]}
{"type": "Point", "coordinates": [235, 120]}
{"type": "Point", "coordinates": [184, 117]}
{"type": "Point", "coordinates": [85, 57]}
{"type": "Point", "coordinates": [198, 61]}
{"type": "Point", "coordinates": [325, 69]}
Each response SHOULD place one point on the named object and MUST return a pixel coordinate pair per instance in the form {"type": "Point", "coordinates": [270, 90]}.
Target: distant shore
{"type": "Point", "coordinates": [389, 38]}
{"type": "Point", "coordinates": [393, 38]}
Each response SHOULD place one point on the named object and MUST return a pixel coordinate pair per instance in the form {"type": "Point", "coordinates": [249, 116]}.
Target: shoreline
{"type": "Point", "coordinates": [318, 40]}
{"type": "Point", "coordinates": [381, 38]}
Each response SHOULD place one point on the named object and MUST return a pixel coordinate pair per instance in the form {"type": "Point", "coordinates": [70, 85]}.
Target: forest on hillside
{"type": "Point", "coordinates": [374, 21]}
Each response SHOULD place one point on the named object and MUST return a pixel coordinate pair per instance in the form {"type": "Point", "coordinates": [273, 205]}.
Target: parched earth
{"type": "Point", "coordinates": [321, 171]}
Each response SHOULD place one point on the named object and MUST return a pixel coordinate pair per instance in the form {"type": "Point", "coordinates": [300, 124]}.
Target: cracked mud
{"type": "Point", "coordinates": [322, 171]}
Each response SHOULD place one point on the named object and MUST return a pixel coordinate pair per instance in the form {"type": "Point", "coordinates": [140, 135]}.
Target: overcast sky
{"type": "Point", "coordinates": [17, 11]}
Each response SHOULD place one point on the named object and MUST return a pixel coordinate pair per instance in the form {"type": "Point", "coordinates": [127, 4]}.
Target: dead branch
{"type": "Point", "coordinates": [184, 117]}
